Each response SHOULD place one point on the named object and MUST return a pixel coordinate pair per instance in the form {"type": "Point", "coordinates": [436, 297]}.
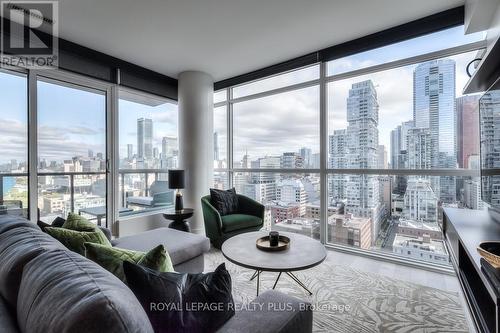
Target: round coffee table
{"type": "Point", "coordinates": [304, 252]}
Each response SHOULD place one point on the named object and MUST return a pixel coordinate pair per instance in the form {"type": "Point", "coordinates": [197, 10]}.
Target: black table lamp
{"type": "Point", "coordinates": [176, 181]}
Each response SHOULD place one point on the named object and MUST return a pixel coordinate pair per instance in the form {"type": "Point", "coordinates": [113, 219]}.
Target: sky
{"type": "Point", "coordinates": [72, 121]}
{"type": "Point", "coordinates": [289, 121]}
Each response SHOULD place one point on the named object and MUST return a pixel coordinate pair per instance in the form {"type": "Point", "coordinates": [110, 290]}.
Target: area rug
{"type": "Point", "coordinates": [349, 300]}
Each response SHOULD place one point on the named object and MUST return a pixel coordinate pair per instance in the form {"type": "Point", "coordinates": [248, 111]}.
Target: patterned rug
{"type": "Point", "coordinates": [349, 300]}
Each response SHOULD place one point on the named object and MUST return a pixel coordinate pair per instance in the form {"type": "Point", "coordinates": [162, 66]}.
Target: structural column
{"type": "Point", "coordinates": [196, 140]}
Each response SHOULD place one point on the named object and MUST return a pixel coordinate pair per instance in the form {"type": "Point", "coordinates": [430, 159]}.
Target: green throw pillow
{"type": "Point", "coordinates": [78, 223]}
{"type": "Point", "coordinates": [112, 258]}
{"type": "Point", "coordinates": [74, 240]}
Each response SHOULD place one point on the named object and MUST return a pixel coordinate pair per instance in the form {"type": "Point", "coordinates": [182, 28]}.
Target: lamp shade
{"type": "Point", "coordinates": [175, 179]}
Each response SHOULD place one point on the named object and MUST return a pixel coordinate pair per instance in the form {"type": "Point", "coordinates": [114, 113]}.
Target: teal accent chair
{"type": "Point", "coordinates": [250, 217]}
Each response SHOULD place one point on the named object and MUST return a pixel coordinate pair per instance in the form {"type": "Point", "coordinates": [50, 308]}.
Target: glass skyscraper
{"type": "Point", "coordinates": [144, 138]}
{"type": "Point", "coordinates": [434, 108]}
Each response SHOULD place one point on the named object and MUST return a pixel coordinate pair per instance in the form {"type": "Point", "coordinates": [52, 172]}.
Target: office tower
{"type": "Point", "coordinates": [434, 108]}
{"type": "Point", "coordinates": [291, 160]}
{"type": "Point", "coordinates": [315, 161]}
{"type": "Point", "coordinates": [467, 129]}
{"type": "Point", "coordinates": [362, 191]}
{"type": "Point", "coordinates": [382, 157]}
{"type": "Point", "coordinates": [395, 147]}
{"type": "Point", "coordinates": [405, 127]}
{"type": "Point", "coordinates": [420, 201]}
{"type": "Point", "coordinates": [418, 148]}
{"type": "Point", "coordinates": [472, 194]}
{"type": "Point", "coordinates": [292, 192]}
{"type": "Point", "coordinates": [490, 134]}
{"type": "Point", "coordinates": [90, 153]}
{"type": "Point", "coordinates": [268, 162]}
{"type": "Point", "coordinates": [216, 146]}
{"type": "Point", "coordinates": [306, 154]}
{"type": "Point", "coordinates": [337, 160]}
{"type": "Point", "coordinates": [144, 138]}
{"type": "Point", "coordinates": [168, 146]}
{"type": "Point", "coordinates": [156, 153]}
{"type": "Point", "coordinates": [130, 151]}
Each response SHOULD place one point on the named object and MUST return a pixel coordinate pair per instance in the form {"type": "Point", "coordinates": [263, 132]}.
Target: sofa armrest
{"type": "Point", "coordinates": [272, 312]}
{"type": "Point", "coordinates": [251, 207]}
{"type": "Point", "coordinates": [212, 219]}
{"type": "Point", "coordinates": [162, 198]}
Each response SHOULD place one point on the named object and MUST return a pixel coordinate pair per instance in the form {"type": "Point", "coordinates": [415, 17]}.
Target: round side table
{"type": "Point", "coordinates": [179, 218]}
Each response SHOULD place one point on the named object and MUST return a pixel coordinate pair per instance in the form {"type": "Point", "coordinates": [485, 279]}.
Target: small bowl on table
{"type": "Point", "coordinates": [490, 251]}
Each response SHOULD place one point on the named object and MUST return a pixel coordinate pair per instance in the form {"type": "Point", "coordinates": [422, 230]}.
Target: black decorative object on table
{"type": "Point", "coordinates": [176, 181]}
{"type": "Point", "coordinates": [178, 218]}
{"type": "Point", "coordinates": [274, 237]}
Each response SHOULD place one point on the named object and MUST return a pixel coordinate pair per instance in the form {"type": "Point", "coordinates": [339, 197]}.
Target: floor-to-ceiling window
{"type": "Point", "coordinates": [13, 143]}
{"type": "Point", "coordinates": [71, 147]}
{"type": "Point", "coordinates": [148, 148]}
{"type": "Point", "coordinates": [400, 143]}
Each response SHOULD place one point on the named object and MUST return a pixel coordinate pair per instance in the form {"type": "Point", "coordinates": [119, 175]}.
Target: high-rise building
{"type": "Point", "coordinates": [490, 134]}
{"type": "Point", "coordinates": [292, 191]}
{"type": "Point", "coordinates": [382, 157]}
{"type": "Point", "coordinates": [362, 191]}
{"type": "Point", "coordinates": [168, 146]}
{"type": "Point", "coordinates": [216, 146]}
{"type": "Point", "coordinates": [467, 129]}
{"type": "Point", "coordinates": [418, 148]}
{"type": "Point", "coordinates": [306, 153]}
{"type": "Point", "coordinates": [472, 194]}
{"type": "Point", "coordinates": [291, 160]}
{"type": "Point", "coordinates": [337, 160]}
{"type": "Point", "coordinates": [420, 202]}
{"type": "Point", "coordinates": [434, 108]}
{"type": "Point", "coordinates": [395, 147]}
{"type": "Point", "coordinates": [144, 138]}
{"type": "Point", "coordinates": [130, 151]}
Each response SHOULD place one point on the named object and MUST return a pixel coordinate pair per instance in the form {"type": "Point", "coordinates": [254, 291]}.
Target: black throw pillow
{"type": "Point", "coordinates": [182, 302]}
{"type": "Point", "coordinates": [57, 223]}
{"type": "Point", "coordinates": [226, 202]}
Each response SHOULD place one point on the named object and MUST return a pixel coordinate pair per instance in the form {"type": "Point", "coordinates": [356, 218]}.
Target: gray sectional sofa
{"type": "Point", "coordinates": [46, 288]}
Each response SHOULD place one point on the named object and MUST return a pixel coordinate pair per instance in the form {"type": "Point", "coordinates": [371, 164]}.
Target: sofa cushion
{"type": "Point", "coordinates": [57, 223]}
{"type": "Point", "coordinates": [142, 201]}
{"type": "Point", "coordinates": [7, 320]}
{"type": "Point", "coordinates": [74, 240]}
{"type": "Point", "coordinates": [8, 222]}
{"type": "Point", "coordinates": [18, 246]}
{"type": "Point", "coordinates": [181, 246]}
{"type": "Point", "coordinates": [271, 311]}
{"type": "Point", "coordinates": [63, 292]}
{"type": "Point", "coordinates": [112, 258]}
{"type": "Point", "coordinates": [78, 223]}
{"type": "Point", "coordinates": [226, 202]}
{"type": "Point", "coordinates": [239, 221]}
{"type": "Point", "coordinates": [211, 291]}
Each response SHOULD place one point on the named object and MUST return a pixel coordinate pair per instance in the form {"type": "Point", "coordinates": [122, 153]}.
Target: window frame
{"type": "Point", "coordinates": [111, 93]}
{"type": "Point", "coordinates": [323, 170]}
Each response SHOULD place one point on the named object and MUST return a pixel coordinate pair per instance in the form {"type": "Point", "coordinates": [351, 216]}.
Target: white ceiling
{"type": "Point", "coordinates": [226, 38]}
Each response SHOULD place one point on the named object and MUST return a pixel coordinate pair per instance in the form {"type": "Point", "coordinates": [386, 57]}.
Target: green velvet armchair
{"type": "Point", "coordinates": [250, 217]}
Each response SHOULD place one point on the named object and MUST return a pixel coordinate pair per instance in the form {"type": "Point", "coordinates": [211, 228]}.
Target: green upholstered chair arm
{"type": "Point", "coordinates": [250, 207]}
{"type": "Point", "coordinates": [213, 221]}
